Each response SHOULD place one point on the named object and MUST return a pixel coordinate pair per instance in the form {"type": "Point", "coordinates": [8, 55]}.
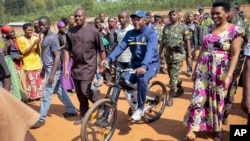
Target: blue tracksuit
{"type": "Point", "coordinates": [143, 47]}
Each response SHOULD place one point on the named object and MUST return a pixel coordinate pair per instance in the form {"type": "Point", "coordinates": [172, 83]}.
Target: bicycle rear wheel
{"type": "Point", "coordinates": [155, 101]}
{"type": "Point", "coordinates": [99, 122]}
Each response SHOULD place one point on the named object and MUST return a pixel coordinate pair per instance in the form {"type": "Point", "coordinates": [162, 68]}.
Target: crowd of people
{"type": "Point", "coordinates": [40, 63]}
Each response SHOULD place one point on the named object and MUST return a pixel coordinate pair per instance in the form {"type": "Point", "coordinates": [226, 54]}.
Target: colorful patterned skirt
{"type": "Point", "coordinates": [207, 106]}
{"type": "Point", "coordinates": [34, 84]}
{"type": "Point", "coordinates": [15, 81]}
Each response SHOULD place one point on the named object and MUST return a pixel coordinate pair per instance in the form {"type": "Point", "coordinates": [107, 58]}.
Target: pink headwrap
{"type": "Point", "coordinates": [60, 24]}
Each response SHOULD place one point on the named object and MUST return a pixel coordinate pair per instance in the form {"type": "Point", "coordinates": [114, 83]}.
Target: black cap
{"type": "Point", "coordinates": [206, 15]}
{"type": "Point", "coordinates": [201, 8]}
{"type": "Point", "coordinates": [148, 13]}
{"type": "Point", "coordinates": [157, 16]}
{"type": "Point", "coordinates": [236, 5]}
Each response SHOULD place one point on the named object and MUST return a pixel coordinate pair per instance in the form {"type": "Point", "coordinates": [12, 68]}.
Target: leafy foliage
{"type": "Point", "coordinates": [30, 10]}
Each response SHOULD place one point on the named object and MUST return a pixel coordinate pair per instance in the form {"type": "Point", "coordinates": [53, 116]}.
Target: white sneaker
{"type": "Point", "coordinates": [137, 115]}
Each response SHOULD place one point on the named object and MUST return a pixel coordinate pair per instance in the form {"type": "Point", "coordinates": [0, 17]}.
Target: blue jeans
{"type": "Point", "coordinates": [48, 93]}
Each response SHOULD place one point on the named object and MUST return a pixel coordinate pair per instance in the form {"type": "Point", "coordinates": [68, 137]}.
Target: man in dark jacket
{"type": "Point", "coordinates": [195, 40]}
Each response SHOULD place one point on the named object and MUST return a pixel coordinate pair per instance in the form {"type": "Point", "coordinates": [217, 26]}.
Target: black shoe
{"type": "Point", "coordinates": [179, 84]}
{"type": "Point", "coordinates": [67, 115]}
{"type": "Point", "coordinates": [179, 92]}
{"type": "Point", "coordinates": [78, 122]}
{"type": "Point", "coordinates": [38, 124]}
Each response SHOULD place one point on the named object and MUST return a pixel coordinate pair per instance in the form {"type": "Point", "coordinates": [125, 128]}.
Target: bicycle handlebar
{"type": "Point", "coordinates": [130, 70]}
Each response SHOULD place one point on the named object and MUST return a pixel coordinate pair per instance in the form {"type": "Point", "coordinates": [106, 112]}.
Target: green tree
{"type": "Point", "coordinates": [14, 7]}
{"type": "Point", "coordinates": [88, 4]}
{"type": "Point", "coordinates": [2, 9]}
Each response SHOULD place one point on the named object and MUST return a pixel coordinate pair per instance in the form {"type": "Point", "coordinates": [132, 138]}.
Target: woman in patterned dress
{"type": "Point", "coordinates": [13, 59]}
{"type": "Point", "coordinates": [29, 46]}
{"type": "Point", "coordinates": [213, 74]}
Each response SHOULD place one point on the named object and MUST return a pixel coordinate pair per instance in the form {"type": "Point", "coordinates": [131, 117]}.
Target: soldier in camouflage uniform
{"type": "Point", "coordinates": [235, 19]}
{"type": "Point", "coordinates": [159, 27]}
{"type": "Point", "coordinates": [240, 14]}
{"type": "Point", "coordinates": [174, 36]}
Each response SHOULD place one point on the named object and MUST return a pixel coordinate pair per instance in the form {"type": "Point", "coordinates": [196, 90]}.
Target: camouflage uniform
{"type": "Point", "coordinates": [159, 28]}
{"type": "Point", "coordinates": [242, 16]}
{"type": "Point", "coordinates": [173, 36]}
{"type": "Point", "coordinates": [205, 24]}
{"type": "Point", "coordinates": [232, 90]}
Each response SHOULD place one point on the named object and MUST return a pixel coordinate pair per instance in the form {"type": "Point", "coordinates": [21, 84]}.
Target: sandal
{"type": "Point", "coordinates": [187, 138]}
{"type": "Point", "coordinates": [218, 136]}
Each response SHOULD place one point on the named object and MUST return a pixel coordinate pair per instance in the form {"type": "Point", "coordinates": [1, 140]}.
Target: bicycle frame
{"type": "Point", "coordinates": [118, 85]}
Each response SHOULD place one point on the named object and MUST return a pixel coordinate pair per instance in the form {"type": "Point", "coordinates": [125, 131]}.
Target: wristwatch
{"type": "Point", "coordinates": [189, 56]}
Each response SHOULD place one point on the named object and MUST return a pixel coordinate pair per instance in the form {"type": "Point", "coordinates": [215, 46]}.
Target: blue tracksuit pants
{"type": "Point", "coordinates": [142, 81]}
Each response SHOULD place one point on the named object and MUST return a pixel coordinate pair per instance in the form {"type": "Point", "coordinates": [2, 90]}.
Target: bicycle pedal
{"type": "Point", "coordinates": [105, 132]}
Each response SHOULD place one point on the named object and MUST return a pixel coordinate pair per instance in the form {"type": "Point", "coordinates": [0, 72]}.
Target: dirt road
{"type": "Point", "coordinates": [168, 128]}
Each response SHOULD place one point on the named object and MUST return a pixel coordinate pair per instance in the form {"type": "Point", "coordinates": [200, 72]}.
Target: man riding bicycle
{"type": "Point", "coordinates": [142, 41]}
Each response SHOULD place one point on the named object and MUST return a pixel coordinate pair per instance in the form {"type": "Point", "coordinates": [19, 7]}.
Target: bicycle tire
{"type": "Point", "coordinates": [95, 110]}
{"type": "Point", "coordinates": [164, 93]}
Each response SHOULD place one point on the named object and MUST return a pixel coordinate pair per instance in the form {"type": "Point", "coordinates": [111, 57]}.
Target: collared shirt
{"type": "Point", "coordinates": [172, 36]}
{"type": "Point", "coordinates": [84, 43]}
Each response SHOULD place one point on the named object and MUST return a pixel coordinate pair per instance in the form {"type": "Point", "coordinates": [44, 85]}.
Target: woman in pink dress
{"type": "Point", "coordinates": [213, 74]}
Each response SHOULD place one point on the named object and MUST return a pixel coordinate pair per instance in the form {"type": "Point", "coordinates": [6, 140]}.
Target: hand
{"type": "Point", "coordinates": [193, 77]}
{"type": "Point", "coordinates": [104, 63]}
{"type": "Point", "coordinates": [66, 73]}
{"type": "Point", "coordinates": [9, 42]}
{"type": "Point", "coordinates": [51, 79]}
{"type": "Point", "coordinates": [189, 60]}
{"type": "Point", "coordinates": [37, 49]}
{"type": "Point", "coordinates": [37, 41]}
{"type": "Point", "coordinates": [140, 71]}
{"type": "Point", "coordinates": [227, 81]}
{"type": "Point", "coordinates": [42, 74]}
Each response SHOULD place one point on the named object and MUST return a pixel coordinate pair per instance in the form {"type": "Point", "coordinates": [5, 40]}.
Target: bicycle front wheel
{"type": "Point", "coordinates": [155, 101]}
{"type": "Point", "coordinates": [99, 122]}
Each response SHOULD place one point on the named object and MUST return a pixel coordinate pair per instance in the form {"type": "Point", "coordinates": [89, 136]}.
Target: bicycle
{"type": "Point", "coordinates": [103, 114]}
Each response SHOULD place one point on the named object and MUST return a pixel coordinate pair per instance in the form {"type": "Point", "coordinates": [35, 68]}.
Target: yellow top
{"type": "Point", "coordinates": [32, 60]}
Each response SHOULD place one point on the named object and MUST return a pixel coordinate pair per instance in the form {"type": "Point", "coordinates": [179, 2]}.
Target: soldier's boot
{"type": "Point", "coordinates": [180, 90]}
{"type": "Point", "coordinates": [170, 101]}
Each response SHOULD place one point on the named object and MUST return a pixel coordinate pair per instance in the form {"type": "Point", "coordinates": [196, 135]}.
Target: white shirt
{"type": "Point", "coordinates": [126, 55]}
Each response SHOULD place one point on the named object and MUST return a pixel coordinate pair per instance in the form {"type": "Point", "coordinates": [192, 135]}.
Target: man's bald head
{"type": "Point", "coordinates": [81, 10]}
{"type": "Point", "coordinates": [80, 16]}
